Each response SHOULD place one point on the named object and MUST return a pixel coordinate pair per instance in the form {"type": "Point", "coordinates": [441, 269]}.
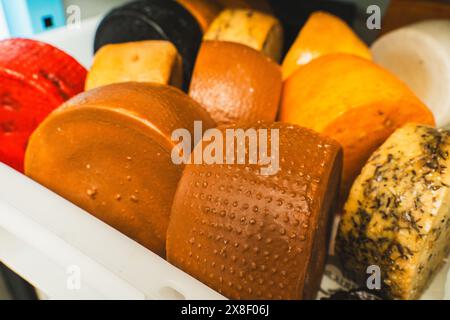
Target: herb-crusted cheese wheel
{"type": "Point", "coordinates": [35, 78]}
{"type": "Point", "coordinates": [153, 20]}
{"type": "Point", "coordinates": [205, 11]}
{"type": "Point", "coordinates": [235, 83]}
{"type": "Point", "coordinates": [255, 29]}
{"type": "Point", "coordinates": [353, 101]}
{"type": "Point", "coordinates": [142, 61]}
{"type": "Point", "coordinates": [397, 215]}
{"type": "Point", "coordinates": [109, 151]}
{"type": "Point", "coordinates": [322, 34]}
{"type": "Point", "coordinates": [253, 236]}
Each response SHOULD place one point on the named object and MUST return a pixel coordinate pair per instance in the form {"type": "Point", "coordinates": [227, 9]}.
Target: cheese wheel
{"type": "Point", "coordinates": [260, 5]}
{"type": "Point", "coordinates": [254, 236]}
{"type": "Point", "coordinates": [420, 56]}
{"type": "Point", "coordinates": [142, 61]}
{"type": "Point", "coordinates": [110, 149]}
{"type": "Point", "coordinates": [353, 101]}
{"type": "Point", "coordinates": [397, 215]}
{"type": "Point", "coordinates": [235, 83]}
{"type": "Point", "coordinates": [205, 11]}
{"type": "Point", "coordinates": [322, 34]}
{"type": "Point", "coordinates": [153, 20]}
{"type": "Point", "coordinates": [257, 30]}
{"type": "Point", "coordinates": [35, 78]}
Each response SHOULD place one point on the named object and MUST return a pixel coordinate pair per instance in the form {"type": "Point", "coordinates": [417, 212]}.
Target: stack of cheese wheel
{"type": "Point", "coordinates": [205, 11]}
{"type": "Point", "coordinates": [322, 34]}
{"type": "Point", "coordinates": [235, 83]}
{"type": "Point", "coordinates": [255, 236]}
{"type": "Point", "coordinates": [258, 30]}
{"type": "Point", "coordinates": [397, 215]}
{"type": "Point", "coordinates": [153, 20]}
{"type": "Point", "coordinates": [353, 101]}
{"type": "Point", "coordinates": [110, 149]}
{"type": "Point", "coordinates": [419, 55]}
{"type": "Point", "coordinates": [35, 78]}
{"type": "Point", "coordinates": [143, 61]}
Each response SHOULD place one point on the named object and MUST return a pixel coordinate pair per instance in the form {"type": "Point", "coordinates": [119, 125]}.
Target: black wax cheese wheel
{"type": "Point", "coordinates": [153, 20]}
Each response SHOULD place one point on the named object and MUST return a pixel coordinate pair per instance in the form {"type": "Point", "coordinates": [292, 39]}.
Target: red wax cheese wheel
{"type": "Point", "coordinates": [353, 101]}
{"type": "Point", "coordinates": [254, 236]}
{"type": "Point", "coordinates": [35, 78]}
{"type": "Point", "coordinates": [108, 151]}
{"type": "Point", "coordinates": [235, 83]}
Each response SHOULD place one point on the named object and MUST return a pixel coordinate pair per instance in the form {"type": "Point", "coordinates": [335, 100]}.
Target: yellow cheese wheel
{"type": "Point", "coordinates": [108, 151]}
{"type": "Point", "coordinates": [235, 83]}
{"type": "Point", "coordinates": [353, 101]}
{"type": "Point", "coordinates": [322, 34]}
{"type": "Point", "coordinates": [205, 11]}
{"type": "Point", "coordinates": [255, 29]}
{"type": "Point", "coordinates": [142, 61]}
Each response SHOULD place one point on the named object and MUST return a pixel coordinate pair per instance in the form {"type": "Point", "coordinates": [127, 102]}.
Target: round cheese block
{"type": "Point", "coordinates": [110, 149]}
{"type": "Point", "coordinates": [322, 34]}
{"type": "Point", "coordinates": [35, 78]}
{"type": "Point", "coordinates": [420, 56]}
{"type": "Point", "coordinates": [353, 101]}
{"type": "Point", "coordinates": [257, 30]}
{"type": "Point", "coordinates": [205, 11]}
{"type": "Point", "coordinates": [397, 215]}
{"type": "Point", "coordinates": [235, 83]}
{"type": "Point", "coordinates": [254, 236]}
{"type": "Point", "coordinates": [153, 20]}
{"type": "Point", "coordinates": [142, 61]}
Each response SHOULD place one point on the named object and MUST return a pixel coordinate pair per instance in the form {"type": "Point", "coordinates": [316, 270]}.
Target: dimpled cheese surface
{"type": "Point", "coordinates": [108, 151]}
{"type": "Point", "coordinates": [250, 236]}
{"type": "Point", "coordinates": [141, 61]}
{"type": "Point", "coordinates": [235, 83]}
{"type": "Point", "coordinates": [397, 215]}
{"type": "Point", "coordinates": [255, 29]}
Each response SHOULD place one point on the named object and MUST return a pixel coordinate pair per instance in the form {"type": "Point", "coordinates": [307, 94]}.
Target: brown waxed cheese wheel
{"type": "Point", "coordinates": [254, 236]}
{"type": "Point", "coordinates": [205, 11]}
{"type": "Point", "coordinates": [255, 29]}
{"type": "Point", "coordinates": [141, 61]}
{"type": "Point", "coordinates": [235, 83]}
{"type": "Point", "coordinates": [397, 215]}
{"type": "Point", "coordinates": [108, 151]}
{"type": "Point", "coordinates": [352, 100]}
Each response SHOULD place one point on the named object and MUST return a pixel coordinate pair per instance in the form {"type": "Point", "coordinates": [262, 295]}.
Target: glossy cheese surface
{"type": "Point", "coordinates": [322, 34]}
{"type": "Point", "coordinates": [353, 101]}
{"type": "Point", "coordinates": [235, 83]}
{"type": "Point", "coordinates": [251, 236]}
{"type": "Point", "coordinates": [109, 152]}
{"type": "Point", "coordinates": [35, 78]}
{"type": "Point", "coordinates": [397, 215]}
{"type": "Point", "coordinates": [255, 29]}
{"type": "Point", "coordinates": [143, 61]}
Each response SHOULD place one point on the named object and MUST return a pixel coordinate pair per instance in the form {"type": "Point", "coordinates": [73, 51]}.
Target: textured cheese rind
{"type": "Point", "coordinates": [255, 29]}
{"type": "Point", "coordinates": [141, 61]}
{"type": "Point", "coordinates": [397, 215]}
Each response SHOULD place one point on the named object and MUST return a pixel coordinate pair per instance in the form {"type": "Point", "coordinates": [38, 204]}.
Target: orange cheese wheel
{"type": "Point", "coordinates": [205, 11]}
{"type": "Point", "coordinates": [108, 151]}
{"type": "Point", "coordinates": [322, 34]}
{"type": "Point", "coordinates": [257, 30]}
{"type": "Point", "coordinates": [254, 236]}
{"type": "Point", "coordinates": [141, 61]}
{"type": "Point", "coordinates": [236, 83]}
{"type": "Point", "coordinates": [353, 101]}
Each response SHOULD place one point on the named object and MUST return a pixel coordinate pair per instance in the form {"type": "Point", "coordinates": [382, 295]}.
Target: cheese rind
{"type": "Point", "coordinates": [110, 151]}
{"type": "Point", "coordinates": [397, 215]}
{"type": "Point", "coordinates": [257, 30]}
{"type": "Point", "coordinates": [253, 236]}
{"type": "Point", "coordinates": [143, 61]}
{"type": "Point", "coordinates": [205, 11]}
